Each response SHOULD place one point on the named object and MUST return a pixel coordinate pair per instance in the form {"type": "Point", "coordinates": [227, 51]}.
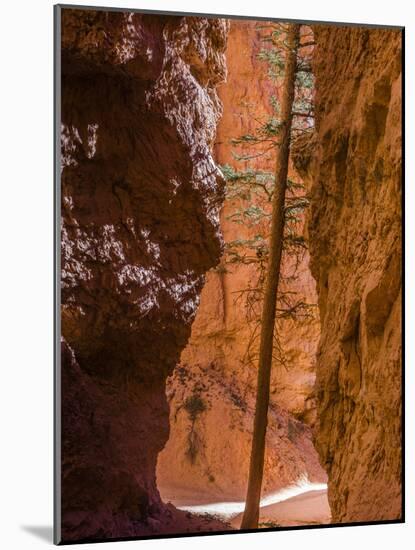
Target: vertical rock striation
{"type": "Point", "coordinates": [140, 227]}
{"type": "Point", "coordinates": [353, 164]}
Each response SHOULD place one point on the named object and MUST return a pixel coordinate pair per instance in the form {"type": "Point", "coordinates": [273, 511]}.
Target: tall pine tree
{"type": "Point", "coordinates": [256, 469]}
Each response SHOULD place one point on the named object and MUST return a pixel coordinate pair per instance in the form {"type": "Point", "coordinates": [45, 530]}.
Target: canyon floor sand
{"type": "Point", "coordinates": [311, 507]}
{"type": "Point", "coordinates": [307, 509]}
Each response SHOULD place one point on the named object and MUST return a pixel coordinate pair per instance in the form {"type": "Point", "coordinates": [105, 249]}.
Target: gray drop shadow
{"type": "Point", "coordinates": [43, 532]}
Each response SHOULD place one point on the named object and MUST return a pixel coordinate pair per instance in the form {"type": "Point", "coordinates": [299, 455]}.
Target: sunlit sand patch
{"type": "Point", "coordinates": [228, 510]}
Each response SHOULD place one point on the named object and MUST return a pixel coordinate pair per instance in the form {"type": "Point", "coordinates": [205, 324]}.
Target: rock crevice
{"type": "Point", "coordinates": [214, 365]}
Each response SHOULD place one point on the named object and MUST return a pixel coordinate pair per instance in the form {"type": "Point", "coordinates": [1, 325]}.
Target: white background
{"type": "Point", "coordinates": [26, 272]}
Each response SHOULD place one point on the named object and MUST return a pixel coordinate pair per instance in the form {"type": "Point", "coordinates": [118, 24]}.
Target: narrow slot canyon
{"type": "Point", "coordinates": [164, 258]}
{"type": "Point", "coordinates": [206, 458]}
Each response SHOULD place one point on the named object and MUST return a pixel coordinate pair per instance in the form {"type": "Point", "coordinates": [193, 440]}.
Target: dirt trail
{"type": "Point", "coordinates": [309, 508]}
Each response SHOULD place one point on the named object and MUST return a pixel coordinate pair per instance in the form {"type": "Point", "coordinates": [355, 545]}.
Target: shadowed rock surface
{"type": "Point", "coordinates": [353, 164]}
{"type": "Point", "coordinates": [140, 227]}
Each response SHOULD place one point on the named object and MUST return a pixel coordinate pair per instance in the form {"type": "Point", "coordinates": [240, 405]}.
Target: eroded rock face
{"type": "Point", "coordinates": [353, 164]}
{"type": "Point", "coordinates": [140, 227]}
{"type": "Point", "coordinates": [213, 364]}
{"type": "Point", "coordinates": [207, 456]}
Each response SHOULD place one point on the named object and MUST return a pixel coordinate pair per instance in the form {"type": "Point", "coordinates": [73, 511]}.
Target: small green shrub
{"type": "Point", "coordinates": [268, 525]}
{"type": "Point", "coordinates": [194, 405]}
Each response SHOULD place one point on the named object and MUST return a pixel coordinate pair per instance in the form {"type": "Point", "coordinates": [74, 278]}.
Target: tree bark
{"type": "Point", "coordinates": [256, 467]}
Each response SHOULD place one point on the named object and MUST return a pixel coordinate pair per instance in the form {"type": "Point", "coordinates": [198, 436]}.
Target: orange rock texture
{"type": "Point", "coordinates": [209, 456]}
{"type": "Point", "coordinates": [353, 165]}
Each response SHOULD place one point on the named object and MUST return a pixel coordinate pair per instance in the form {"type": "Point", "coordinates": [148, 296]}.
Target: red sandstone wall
{"type": "Point", "coordinates": [353, 165]}
{"type": "Point", "coordinates": [140, 200]}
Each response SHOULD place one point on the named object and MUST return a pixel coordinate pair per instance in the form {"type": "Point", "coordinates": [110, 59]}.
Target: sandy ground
{"type": "Point", "coordinates": [307, 509]}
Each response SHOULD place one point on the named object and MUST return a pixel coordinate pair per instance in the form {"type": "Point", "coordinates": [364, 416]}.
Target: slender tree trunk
{"type": "Point", "coordinates": [256, 467]}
